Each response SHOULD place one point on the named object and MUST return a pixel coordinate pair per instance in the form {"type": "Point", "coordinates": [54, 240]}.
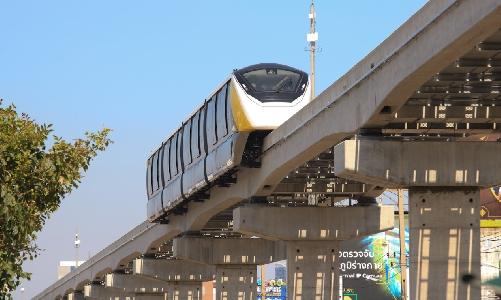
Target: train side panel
{"type": "Point", "coordinates": [194, 154]}
{"type": "Point", "coordinates": [155, 207]}
{"type": "Point", "coordinates": [210, 144]}
{"type": "Point", "coordinates": [220, 135]}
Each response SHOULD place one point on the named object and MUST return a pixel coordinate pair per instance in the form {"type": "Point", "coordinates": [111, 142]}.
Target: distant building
{"type": "Point", "coordinates": [280, 272]}
{"type": "Point", "coordinates": [66, 266]}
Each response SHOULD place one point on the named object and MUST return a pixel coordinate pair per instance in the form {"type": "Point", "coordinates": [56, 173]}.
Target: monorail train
{"type": "Point", "coordinates": [225, 132]}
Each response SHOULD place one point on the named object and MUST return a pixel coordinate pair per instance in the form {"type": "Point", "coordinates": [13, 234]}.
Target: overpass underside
{"type": "Point", "coordinates": [437, 79]}
{"type": "Point", "coordinates": [460, 102]}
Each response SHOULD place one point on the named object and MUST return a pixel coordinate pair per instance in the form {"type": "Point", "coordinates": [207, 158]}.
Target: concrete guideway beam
{"type": "Point", "coordinates": [134, 283]}
{"type": "Point", "coordinates": [312, 236]}
{"type": "Point", "coordinates": [235, 260]}
{"type": "Point", "coordinates": [139, 240]}
{"type": "Point", "coordinates": [396, 164]}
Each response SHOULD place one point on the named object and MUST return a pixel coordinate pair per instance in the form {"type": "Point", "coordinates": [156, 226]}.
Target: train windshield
{"type": "Point", "coordinates": [272, 80]}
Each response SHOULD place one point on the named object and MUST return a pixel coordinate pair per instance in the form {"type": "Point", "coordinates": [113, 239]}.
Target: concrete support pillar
{"type": "Point", "coordinates": [236, 282]}
{"type": "Point", "coordinates": [444, 243]}
{"type": "Point", "coordinates": [184, 278]}
{"type": "Point", "coordinates": [75, 296]}
{"type": "Point", "coordinates": [185, 291]}
{"type": "Point", "coordinates": [313, 270]}
{"type": "Point", "coordinates": [235, 260]}
{"type": "Point", "coordinates": [444, 209]}
{"type": "Point", "coordinates": [312, 236]}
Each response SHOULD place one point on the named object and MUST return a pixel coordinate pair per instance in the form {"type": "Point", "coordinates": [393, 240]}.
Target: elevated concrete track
{"type": "Point", "coordinates": [437, 77]}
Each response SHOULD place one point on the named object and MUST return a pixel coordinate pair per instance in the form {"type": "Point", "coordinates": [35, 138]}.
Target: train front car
{"type": "Point", "coordinates": [269, 94]}
{"type": "Point", "coordinates": [222, 135]}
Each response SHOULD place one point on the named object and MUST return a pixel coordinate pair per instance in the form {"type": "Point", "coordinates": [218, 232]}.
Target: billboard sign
{"type": "Point", "coordinates": [370, 267]}
{"type": "Point", "coordinates": [275, 290]}
{"type": "Point", "coordinates": [490, 207]}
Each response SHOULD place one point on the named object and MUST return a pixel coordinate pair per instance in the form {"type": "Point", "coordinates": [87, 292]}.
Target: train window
{"type": "Point", "coordinates": [172, 156]}
{"type": "Point", "coordinates": [165, 162]}
{"type": "Point", "coordinates": [187, 142]}
{"type": "Point", "coordinates": [159, 168]}
{"type": "Point", "coordinates": [202, 138]}
{"type": "Point", "coordinates": [195, 141]}
{"type": "Point", "coordinates": [226, 106]}
{"type": "Point", "coordinates": [148, 177]}
{"type": "Point", "coordinates": [229, 115]}
{"type": "Point", "coordinates": [154, 174]}
{"type": "Point", "coordinates": [211, 122]}
{"type": "Point", "coordinates": [222, 128]}
{"type": "Point", "coordinates": [179, 150]}
{"type": "Point", "coordinates": [273, 80]}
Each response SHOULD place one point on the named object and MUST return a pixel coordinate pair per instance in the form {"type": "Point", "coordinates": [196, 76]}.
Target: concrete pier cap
{"type": "Point", "coordinates": [227, 251]}
{"type": "Point", "coordinates": [172, 270]}
{"type": "Point", "coordinates": [134, 283]}
{"type": "Point", "coordinates": [94, 291]}
{"type": "Point", "coordinates": [397, 164]}
{"type": "Point", "coordinates": [312, 223]}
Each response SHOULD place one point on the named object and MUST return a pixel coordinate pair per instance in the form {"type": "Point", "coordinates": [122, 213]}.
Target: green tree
{"type": "Point", "coordinates": [35, 175]}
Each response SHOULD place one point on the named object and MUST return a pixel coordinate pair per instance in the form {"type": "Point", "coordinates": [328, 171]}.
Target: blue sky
{"type": "Point", "coordinates": [139, 67]}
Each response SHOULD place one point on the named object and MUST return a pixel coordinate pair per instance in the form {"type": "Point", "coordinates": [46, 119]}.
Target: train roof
{"type": "Point", "coordinates": [267, 66]}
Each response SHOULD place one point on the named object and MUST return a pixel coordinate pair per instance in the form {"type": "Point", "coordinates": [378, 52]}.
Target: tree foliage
{"type": "Point", "coordinates": [34, 178]}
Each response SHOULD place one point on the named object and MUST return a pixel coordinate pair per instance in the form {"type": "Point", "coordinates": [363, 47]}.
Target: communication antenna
{"type": "Point", "coordinates": [312, 38]}
{"type": "Point", "coordinates": [77, 245]}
